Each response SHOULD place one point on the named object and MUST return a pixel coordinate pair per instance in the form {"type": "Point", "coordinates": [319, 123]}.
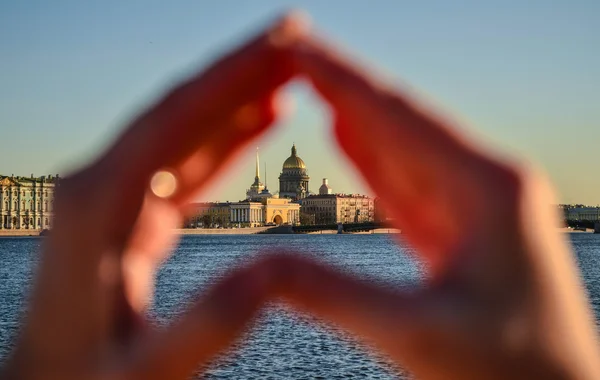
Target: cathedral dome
{"type": "Point", "coordinates": [293, 161]}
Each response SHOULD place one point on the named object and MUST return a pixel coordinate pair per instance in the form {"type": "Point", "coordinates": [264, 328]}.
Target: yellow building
{"type": "Point", "coordinates": [281, 211]}
{"type": "Point", "coordinates": [247, 213]}
{"type": "Point", "coordinates": [266, 211]}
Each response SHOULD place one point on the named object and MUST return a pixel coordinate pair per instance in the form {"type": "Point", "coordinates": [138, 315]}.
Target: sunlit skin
{"type": "Point", "coordinates": [503, 299]}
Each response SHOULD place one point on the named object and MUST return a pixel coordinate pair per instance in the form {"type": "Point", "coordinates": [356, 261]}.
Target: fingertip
{"type": "Point", "coordinates": [289, 28]}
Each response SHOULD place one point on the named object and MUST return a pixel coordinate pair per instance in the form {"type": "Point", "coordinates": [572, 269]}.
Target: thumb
{"type": "Point", "coordinates": [386, 316]}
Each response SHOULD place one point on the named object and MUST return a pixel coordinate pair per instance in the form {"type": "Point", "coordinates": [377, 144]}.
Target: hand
{"type": "Point", "coordinates": [503, 299]}
{"type": "Point", "coordinates": [86, 318]}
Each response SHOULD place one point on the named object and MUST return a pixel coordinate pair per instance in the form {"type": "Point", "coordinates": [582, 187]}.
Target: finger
{"type": "Point", "coordinates": [152, 238]}
{"type": "Point", "coordinates": [379, 315]}
{"type": "Point", "coordinates": [171, 131]}
{"type": "Point", "coordinates": [407, 326]}
{"type": "Point", "coordinates": [356, 92]}
{"type": "Point", "coordinates": [179, 124]}
{"type": "Point", "coordinates": [430, 174]}
{"type": "Point", "coordinates": [193, 112]}
{"type": "Point", "coordinates": [206, 330]}
{"type": "Point", "coordinates": [213, 156]}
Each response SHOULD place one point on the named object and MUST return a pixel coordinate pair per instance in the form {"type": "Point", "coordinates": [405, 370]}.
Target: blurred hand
{"type": "Point", "coordinates": [503, 298]}
{"type": "Point", "coordinates": [111, 232]}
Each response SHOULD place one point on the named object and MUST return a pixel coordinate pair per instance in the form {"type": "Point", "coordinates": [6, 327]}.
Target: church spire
{"type": "Point", "coordinates": [257, 176]}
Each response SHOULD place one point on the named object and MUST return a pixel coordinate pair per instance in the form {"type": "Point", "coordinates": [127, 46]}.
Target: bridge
{"type": "Point", "coordinates": [343, 228]}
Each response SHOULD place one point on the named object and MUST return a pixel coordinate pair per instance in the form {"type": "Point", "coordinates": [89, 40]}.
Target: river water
{"type": "Point", "coordinates": [281, 345]}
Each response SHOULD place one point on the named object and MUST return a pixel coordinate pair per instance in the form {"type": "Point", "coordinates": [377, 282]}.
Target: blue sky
{"type": "Point", "coordinates": [525, 75]}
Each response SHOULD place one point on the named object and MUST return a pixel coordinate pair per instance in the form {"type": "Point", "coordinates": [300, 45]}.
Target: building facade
{"type": "Point", "coordinates": [281, 211]}
{"type": "Point", "coordinates": [27, 203]}
{"type": "Point", "coordinates": [581, 213]}
{"type": "Point", "coordinates": [267, 211]}
{"type": "Point", "coordinates": [294, 179]}
{"type": "Point", "coordinates": [209, 215]}
{"type": "Point", "coordinates": [338, 208]}
{"type": "Point", "coordinates": [247, 214]}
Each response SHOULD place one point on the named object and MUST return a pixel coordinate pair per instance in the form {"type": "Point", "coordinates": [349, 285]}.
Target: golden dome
{"type": "Point", "coordinates": [293, 161]}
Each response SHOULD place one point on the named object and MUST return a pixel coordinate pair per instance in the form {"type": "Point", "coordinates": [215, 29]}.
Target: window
{"type": "Point", "coordinates": [46, 222]}
{"type": "Point", "coordinates": [39, 222]}
{"type": "Point", "coordinates": [45, 205]}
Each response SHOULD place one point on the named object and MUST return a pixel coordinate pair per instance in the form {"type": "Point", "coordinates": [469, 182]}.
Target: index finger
{"type": "Point", "coordinates": [191, 113]}
{"type": "Point", "coordinates": [432, 178]}
{"type": "Point", "coordinates": [356, 91]}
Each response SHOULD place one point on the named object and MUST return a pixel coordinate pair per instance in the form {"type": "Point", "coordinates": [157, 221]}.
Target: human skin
{"type": "Point", "coordinates": [502, 299]}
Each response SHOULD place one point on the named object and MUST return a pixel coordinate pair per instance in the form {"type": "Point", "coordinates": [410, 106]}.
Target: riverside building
{"type": "Point", "coordinates": [27, 202]}
{"type": "Point", "coordinates": [581, 213]}
{"type": "Point", "coordinates": [330, 208]}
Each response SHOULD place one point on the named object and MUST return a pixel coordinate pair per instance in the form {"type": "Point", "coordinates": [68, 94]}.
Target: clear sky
{"type": "Point", "coordinates": [523, 74]}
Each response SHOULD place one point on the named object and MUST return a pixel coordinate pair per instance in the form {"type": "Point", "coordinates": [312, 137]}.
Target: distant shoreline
{"type": "Point", "coordinates": [247, 231]}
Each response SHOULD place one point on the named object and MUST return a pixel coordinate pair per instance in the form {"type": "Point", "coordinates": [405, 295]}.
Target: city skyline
{"type": "Point", "coordinates": [525, 76]}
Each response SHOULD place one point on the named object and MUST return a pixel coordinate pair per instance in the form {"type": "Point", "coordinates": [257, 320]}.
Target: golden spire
{"type": "Point", "coordinates": [257, 170]}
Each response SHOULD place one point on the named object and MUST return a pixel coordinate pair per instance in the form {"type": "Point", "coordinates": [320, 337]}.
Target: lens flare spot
{"type": "Point", "coordinates": [163, 184]}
